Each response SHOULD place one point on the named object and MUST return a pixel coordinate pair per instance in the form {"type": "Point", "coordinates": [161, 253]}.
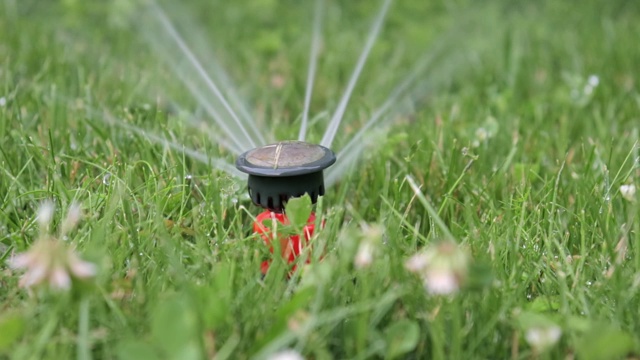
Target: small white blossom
{"type": "Point", "coordinates": [441, 282]}
{"type": "Point", "coordinates": [364, 256]}
{"type": "Point", "coordinates": [628, 192]}
{"type": "Point", "coordinates": [49, 260]}
{"type": "Point", "coordinates": [73, 217]}
{"type": "Point", "coordinates": [371, 240]}
{"type": "Point", "coordinates": [286, 355]}
{"type": "Point", "coordinates": [592, 83]}
{"type": "Point", "coordinates": [417, 263]}
{"type": "Point", "coordinates": [443, 268]}
{"type": "Point", "coordinates": [59, 278]}
{"type": "Point", "coordinates": [542, 338]}
{"type": "Point", "coordinates": [482, 134]}
{"type": "Point", "coordinates": [81, 269]}
{"type": "Point", "coordinates": [45, 215]}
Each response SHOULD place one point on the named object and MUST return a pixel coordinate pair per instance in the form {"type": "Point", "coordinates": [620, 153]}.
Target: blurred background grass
{"type": "Point", "coordinates": [520, 134]}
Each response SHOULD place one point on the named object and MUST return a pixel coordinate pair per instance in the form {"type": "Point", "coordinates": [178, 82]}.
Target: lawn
{"type": "Point", "coordinates": [489, 212]}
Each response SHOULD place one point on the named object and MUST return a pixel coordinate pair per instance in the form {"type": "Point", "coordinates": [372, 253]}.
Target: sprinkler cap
{"type": "Point", "coordinates": [287, 169]}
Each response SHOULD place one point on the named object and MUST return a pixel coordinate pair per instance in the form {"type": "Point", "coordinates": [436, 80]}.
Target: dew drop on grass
{"type": "Point", "coordinates": [106, 179]}
{"type": "Point", "coordinates": [589, 283]}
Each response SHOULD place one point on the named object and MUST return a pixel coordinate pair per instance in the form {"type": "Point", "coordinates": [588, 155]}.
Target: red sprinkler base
{"type": "Point", "coordinates": [291, 246]}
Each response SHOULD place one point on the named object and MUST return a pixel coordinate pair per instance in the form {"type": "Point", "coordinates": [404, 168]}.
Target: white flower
{"type": "Point", "coordinates": [371, 240]}
{"type": "Point", "coordinates": [49, 260]}
{"type": "Point", "coordinates": [628, 192]}
{"type": "Point", "coordinates": [541, 338]}
{"type": "Point", "coordinates": [73, 217]}
{"type": "Point", "coordinates": [443, 268]}
{"type": "Point", "coordinates": [286, 355]}
{"type": "Point", "coordinates": [482, 134]}
{"type": "Point", "coordinates": [417, 263]}
{"type": "Point", "coordinates": [45, 214]}
{"type": "Point", "coordinates": [364, 256]}
{"type": "Point", "coordinates": [441, 282]}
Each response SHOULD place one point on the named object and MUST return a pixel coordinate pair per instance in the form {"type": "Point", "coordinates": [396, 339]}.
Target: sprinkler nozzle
{"type": "Point", "coordinates": [280, 171]}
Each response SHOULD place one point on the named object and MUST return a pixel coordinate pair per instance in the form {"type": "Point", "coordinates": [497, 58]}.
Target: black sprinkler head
{"type": "Point", "coordinates": [287, 169]}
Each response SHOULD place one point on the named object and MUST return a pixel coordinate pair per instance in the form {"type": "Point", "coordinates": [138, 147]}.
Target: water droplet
{"type": "Point", "coordinates": [106, 178]}
{"type": "Point", "coordinates": [588, 283]}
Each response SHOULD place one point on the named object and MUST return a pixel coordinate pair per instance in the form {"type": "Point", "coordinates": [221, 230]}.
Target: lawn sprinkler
{"type": "Point", "coordinates": [277, 173]}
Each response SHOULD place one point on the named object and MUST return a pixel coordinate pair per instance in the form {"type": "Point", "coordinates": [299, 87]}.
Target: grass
{"type": "Point", "coordinates": [505, 149]}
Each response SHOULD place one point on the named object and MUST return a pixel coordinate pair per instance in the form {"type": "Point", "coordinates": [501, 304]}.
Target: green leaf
{"type": "Point", "coordinates": [543, 304]}
{"type": "Point", "coordinates": [602, 343]}
{"type": "Point", "coordinates": [283, 315]}
{"type": "Point", "coordinates": [402, 337]}
{"type": "Point", "coordinates": [300, 300]}
{"type": "Point", "coordinates": [134, 350]}
{"type": "Point", "coordinates": [174, 329]}
{"type": "Point", "coordinates": [578, 323]}
{"type": "Point", "coordinates": [11, 329]}
{"type": "Point", "coordinates": [528, 319]}
{"type": "Point", "coordinates": [298, 211]}
{"type": "Point", "coordinates": [219, 292]}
